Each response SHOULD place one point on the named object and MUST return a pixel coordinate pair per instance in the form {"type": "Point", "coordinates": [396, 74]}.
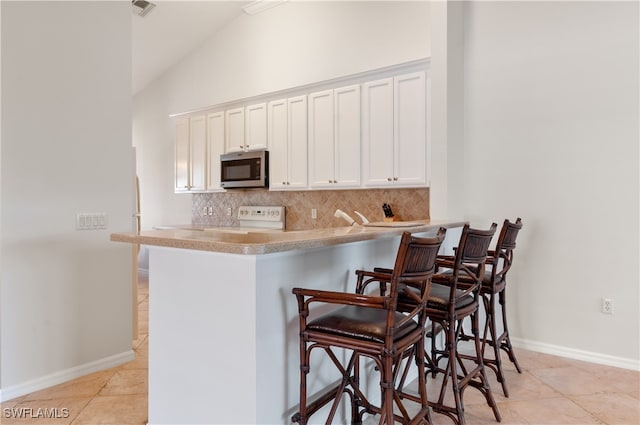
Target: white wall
{"type": "Point", "coordinates": [551, 135]}
{"type": "Point", "coordinates": [298, 43]}
{"type": "Point", "coordinates": [152, 136]}
{"type": "Point", "coordinates": [290, 45]}
{"type": "Point", "coordinates": [65, 304]}
{"type": "Point", "coordinates": [447, 110]}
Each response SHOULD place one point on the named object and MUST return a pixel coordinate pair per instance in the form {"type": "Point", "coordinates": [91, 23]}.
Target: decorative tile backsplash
{"type": "Point", "coordinates": [407, 204]}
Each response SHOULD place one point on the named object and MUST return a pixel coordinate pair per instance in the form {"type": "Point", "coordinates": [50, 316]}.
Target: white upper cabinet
{"type": "Point", "coordinates": [234, 130]}
{"type": "Point", "coordinates": [334, 138]}
{"type": "Point", "coordinates": [347, 136]}
{"type": "Point", "coordinates": [394, 131]}
{"type": "Point", "coordinates": [181, 143]}
{"type": "Point", "coordinates": [410, 141]}
{"type": "Point", "coordinates": [255, 133]}
{"type": "Point", "coordinates": [190, 154]}
{"type": "Point", "coordinates": [215, 148]}
{"type": "Point", "coordinates": [278, 142]}
{"type": "Point", "coordinates": [287, 140]}
{"type": "Point", "coordinates": [297, 135]}
{"type": "Point", "coordinates": [246, 128]}
{"type": "Point", "coordinates": [321, 143]}
{"type": "Point", "coordinates": [371, 133]}
{"type": "Point", "coordinates": [377, 132]}
{"type": "Point", "coordinates": [198, 152]}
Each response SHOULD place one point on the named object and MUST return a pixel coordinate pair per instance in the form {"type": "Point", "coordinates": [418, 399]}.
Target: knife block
{"type": "Point", "coordinates": [388, 219]}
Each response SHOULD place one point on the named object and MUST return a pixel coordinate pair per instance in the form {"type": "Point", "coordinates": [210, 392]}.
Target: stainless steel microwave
{"type": "Point", "coordinates": [244, 169]}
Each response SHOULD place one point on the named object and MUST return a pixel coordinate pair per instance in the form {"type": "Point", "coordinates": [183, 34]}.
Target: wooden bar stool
{"type": "Point", "coordinates": [494, 284]}
{"type": "Point", "coordinates": [369, 326]}
{"type": "Point", "coordinates": [454, 296]}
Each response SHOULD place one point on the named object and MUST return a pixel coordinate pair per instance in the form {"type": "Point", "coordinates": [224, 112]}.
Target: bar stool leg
{"type": "Point", "coordinates": [301, 416]}
{"type": "Point", "coordinates": [386, 385]}
{"type": "Point", "coordinates": [494, 341]}
{"type": "Point", "coordinates": [450, 371]}
{"type": "Point", "coordinates": [505, 343]}
{"type": "Point", "coordinates": [484, 388]}
{"type": "Point", "coordinates": [461, 377]}
{"type": "Point", "coordinates": [422, 382]}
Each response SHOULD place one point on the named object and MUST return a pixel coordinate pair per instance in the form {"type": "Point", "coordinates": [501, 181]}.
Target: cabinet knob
{"type": "Point", "coordinates": [335, 181]}
{"type": "Point", "coordinates": [388, 179]}
{"type": "Point", "coordinates": [395, 179]}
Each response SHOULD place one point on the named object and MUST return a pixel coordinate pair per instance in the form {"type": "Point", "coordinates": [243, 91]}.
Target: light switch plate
{"type": "Point", "coordinates": [91, 221]}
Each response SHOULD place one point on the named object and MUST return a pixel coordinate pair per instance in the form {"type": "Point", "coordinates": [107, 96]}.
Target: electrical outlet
{"type": "Point", "coordinates": [210, 211]}
{"type": "Point", "coordinates": [229, 211]}
{"type": "Point", "coordinates": [314, 213]}
{"type": "Point", "coordinates": [204, 210]}
{"type": "Point", "coordinates": [607, 306]}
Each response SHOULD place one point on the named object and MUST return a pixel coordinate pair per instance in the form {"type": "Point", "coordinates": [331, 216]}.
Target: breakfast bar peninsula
{"type": "Point", "coordinates": [223, 324]}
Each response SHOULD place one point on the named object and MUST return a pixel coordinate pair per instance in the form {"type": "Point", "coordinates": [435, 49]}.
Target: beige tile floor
{"type": "Point", "coordinates": [551, 390]}
{"type": "Point", "coordinates": [116, 396]}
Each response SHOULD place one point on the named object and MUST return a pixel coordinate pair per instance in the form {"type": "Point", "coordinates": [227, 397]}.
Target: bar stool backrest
{"type": "Point", "coordinates": [415, 264]}
{"type": "Point", "coordinates": [503, 257]}
{"type": "Point", "coordinates": [469, 262]}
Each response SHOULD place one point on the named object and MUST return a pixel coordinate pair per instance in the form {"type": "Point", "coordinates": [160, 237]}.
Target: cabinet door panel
{"type": "Point", "coordinates": [410, 129]}
{"type": "Point", "coordinates": [321, 139]}
{"type": "Point", "coordinates": [234, 130]}
{"type": "Point", "coordinates": [198, 152]}
{"type": "Point", "coordinates": [181, 155]}
{"type": "Point", "coordinates": [277, 139]}
{"type": "Point", "coordinates": [256, 127]}
{"type": "Point", "coordinates": [215, 148]}
{"type": "Point", "coordinates": [297, 143]}
{"type": "Point", "coordinates": [347, 136]}
{"type": "Point", "coordinates": [377, 132]}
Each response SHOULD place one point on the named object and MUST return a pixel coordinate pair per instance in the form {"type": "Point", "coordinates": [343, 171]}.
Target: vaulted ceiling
{"type": "Point", "coordinates": [171, 30]}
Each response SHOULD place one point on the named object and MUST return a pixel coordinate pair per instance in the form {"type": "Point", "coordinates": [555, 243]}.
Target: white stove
{"type": "Point", "coordinates": [256, 219]}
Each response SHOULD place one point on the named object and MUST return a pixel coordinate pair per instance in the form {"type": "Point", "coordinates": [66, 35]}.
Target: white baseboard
{"type": "Point", "coordinates": [56, 378]}
{"type": "Point", "coordinates": [572, 353]}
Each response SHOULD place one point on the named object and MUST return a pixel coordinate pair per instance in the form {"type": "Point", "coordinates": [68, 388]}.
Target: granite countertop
{"type": "Point", "coordinates": [255, 243]}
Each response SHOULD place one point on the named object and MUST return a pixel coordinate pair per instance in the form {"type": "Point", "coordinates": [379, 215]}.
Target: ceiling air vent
{"type": "Point", "coordinates": [142, 7]}
{"type": "Point", "coordinates": [258, 6]}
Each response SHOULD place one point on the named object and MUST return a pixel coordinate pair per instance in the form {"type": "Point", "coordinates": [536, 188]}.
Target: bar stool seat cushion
{"type": "Point", "coordinates": [439, 297]}
{"type": "Point", "coordinates": [364, 323]}
{"type": "Point", "coordinates": [487, 284]}
{"type": "Point", "coordinates": [488, 287]}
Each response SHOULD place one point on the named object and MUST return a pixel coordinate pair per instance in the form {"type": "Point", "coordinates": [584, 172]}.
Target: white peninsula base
{"type": "Point", "coordinates": [223, 329]}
